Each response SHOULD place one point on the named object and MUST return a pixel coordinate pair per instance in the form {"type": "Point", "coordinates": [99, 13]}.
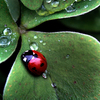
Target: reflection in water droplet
{"type": "Point", "coordinates": [35, 37]}
{"type": "Point", "coordinates": [7, 31]}
{"type": "Point", "coordinates": [48, 1]}
{"type": "Point", "coordinates": [41, 41]}
{"type": "Point", "coordinates": [33, 46]}
{"type": "Point", "coordinates": [44, 43]}
{"type": "Point", "coordinates": [4, 41]}
{"type": "Point", "coordinates": [53, 85]}
{"type": "Point", "coordinates": [67, 56]}
{"type": "Point", "coordinates": [55, 3]}
{"type": "Point", "coordinates": [70, 9]}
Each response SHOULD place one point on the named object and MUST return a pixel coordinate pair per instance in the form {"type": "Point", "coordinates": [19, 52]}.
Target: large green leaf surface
{"type": "Point", "coordinates": [30, 18]}
{"type": "Point", "coordinates": [89, 21]}
{"type": "Point", "coordinates": [14, 8]}
{"type": "Point", "coordinates": [73, 65]}
{"type": "Point", "coordinates": [7, 22]}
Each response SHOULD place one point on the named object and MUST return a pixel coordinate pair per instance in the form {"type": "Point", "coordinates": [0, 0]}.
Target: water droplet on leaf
{"type": "Point", "coordinates": [41, 41]}
{"type": "Point", "coordinates": [53, 85]}
{"type": "Point", "coordinates": [55, 3]}
{"type": "Point", "coordinates": [40, 50]}
{"type": "Point", "coordinates": [67, 56]}
{"type": "Point", "coordinates": [59, 40]}
{"type": "Point", "coordinates": [5, 50]}
{"type": "Point", "coordinates": [85, 6]}
{"type": "Point", "coordinates": [48, 1]}
{"type": "Point", "coordinates": [7, 31]}
{"type": "Point", "coordinates": [70, 9]}
{"type": "Point", "coordinates": [44, 75]}
{"type": "Point", "coordinates": [35, 37]}
{"type": "Point", "coordinates": [42, 11]}
{"type": "Point", "coordinates": [44, 43]}
{"type": "Point", "coordinates": [5, 25]}
{"type": "Point", "coordinates": [33, 46]}
{"type": "Point", "coordinates": [4, 41]}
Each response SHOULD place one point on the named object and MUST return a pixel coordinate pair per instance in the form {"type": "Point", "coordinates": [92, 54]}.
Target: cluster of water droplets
{"type": "Point", "coordinates": [54, 4]}
{"type": "Point", "coordinates": [34, 45]}
{"type": "Point", "coordinates": [5, 37]}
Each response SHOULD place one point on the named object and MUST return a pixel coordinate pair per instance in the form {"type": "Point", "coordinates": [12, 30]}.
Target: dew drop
{"type": "Point", "coordinates": [35, 37]}
{"type": "Point", "coordinates": [7, 31]}
{"type": "Point", "coordinates": [49, 49]}
{"type": "Point", "coordinates": [5, 25]}
{"type": "Point", "coordinates": [42, 11]}
{"type": "Point", "coordinates": [85, 6]}
{"type": "Point", "coordinates": [4, 41]}
{"type": "Point", "coordinates": [55, 3]}
{"type": "Point", "coordinates": [44, 75]}
{"type": "Point", "coordinates": [67, 56]}
{"type": "Point", "coordinates": [44, 43]}
{"type": "Point", "coordinates": [5, 50]}
{"type": "Point", "coordinates": [58, 40]}
{"type": "Point", "coordinates": [33, 46]}
{"type": "Point", "coordinates": [53, 85]}
{"type": "Point", "coordinates": [48, 1]}
{"type": "Point", "coordinates": [70, 9]}
{"type": "Point", "coordinates": [40, 50]}
{"type": "Point", "coordinates": [41, 41]}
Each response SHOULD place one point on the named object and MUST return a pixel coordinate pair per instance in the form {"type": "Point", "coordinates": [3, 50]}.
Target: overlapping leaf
{"type": "Point", "coordinates": [14, 8]}
{"type": "Point", "coordinates": [30, 19]}
{"type": "Point", "coordinates": [7, 22]}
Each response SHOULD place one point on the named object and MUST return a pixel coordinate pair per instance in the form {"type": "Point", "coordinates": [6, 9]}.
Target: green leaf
{"type": "Point", "coordinates": [73, 63]}
{"type": "Point", "coordinates": [8, 39]}
{"type": "Point", "coordinates": [14, 8]}
{"type": "Point", "coordinates": [30, 19]}
{"type": "Point", "coordinates": [22, 85]}
{"type": "Point", "coordinates": [87, 22]}
{"type": "Point", "coordinates": [32, 4]}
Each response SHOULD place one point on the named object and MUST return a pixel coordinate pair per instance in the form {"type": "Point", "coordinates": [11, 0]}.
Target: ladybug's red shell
{"type": "Point", "coordinates": [35, 61]}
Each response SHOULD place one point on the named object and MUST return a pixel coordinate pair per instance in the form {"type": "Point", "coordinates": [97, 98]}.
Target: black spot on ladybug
{"type": "Point", "coordinates": [34, 68]}
{"type": "Point", "coordinates": [42, 65]}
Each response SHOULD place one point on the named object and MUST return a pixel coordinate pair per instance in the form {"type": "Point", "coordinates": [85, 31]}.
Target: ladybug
{"type": "Point", "coordinates": [35, 61]}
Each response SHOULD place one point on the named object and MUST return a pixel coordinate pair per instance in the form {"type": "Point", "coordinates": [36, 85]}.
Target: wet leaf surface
{"type": "Point", "coordinates": [73, 66]}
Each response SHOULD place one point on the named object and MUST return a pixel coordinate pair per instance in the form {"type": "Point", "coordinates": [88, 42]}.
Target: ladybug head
{"type": "Point", "coordinates": [27, 56]}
